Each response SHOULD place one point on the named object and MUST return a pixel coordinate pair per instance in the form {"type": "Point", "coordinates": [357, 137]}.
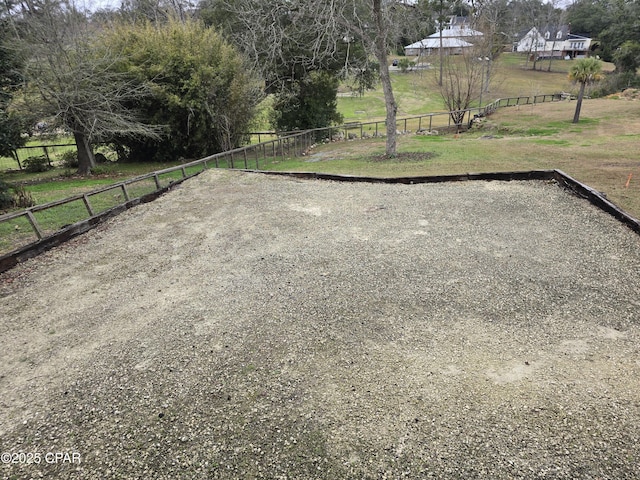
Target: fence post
{"type": "Point", "coordinates": [85, 199]}
{"type": "Point", "coordinates": [124, 191]}
{"type": "Point", "coordinates": [46, 154]}
{"type": "Point", "coordinates": [34, 224]}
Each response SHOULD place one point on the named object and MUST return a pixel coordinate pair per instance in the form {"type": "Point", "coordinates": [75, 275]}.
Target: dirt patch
{"type": "Point", "coordinates": [628, 94]}
{"type": "Point", "coordinates": [250, 326]}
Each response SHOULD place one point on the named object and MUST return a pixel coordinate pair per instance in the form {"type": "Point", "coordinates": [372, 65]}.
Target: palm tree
{"type": "Point", "coordinates": [584, 71]}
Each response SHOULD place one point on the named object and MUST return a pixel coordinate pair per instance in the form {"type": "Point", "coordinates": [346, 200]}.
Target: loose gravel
{"type": "Point", "coordinates": [249, 326]}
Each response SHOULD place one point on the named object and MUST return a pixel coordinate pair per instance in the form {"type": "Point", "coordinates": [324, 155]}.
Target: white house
{"type": "Point", "coordinates": [555, 42]}
{"type": "Point", "coordinates": [454, 40]}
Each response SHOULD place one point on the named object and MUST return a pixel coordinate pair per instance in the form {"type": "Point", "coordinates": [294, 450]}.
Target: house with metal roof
{"type": "Point", "coordinates": [454, 40]}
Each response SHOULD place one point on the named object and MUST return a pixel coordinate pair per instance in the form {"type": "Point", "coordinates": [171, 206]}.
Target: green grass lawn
{"type": "Point", "coordinates": [416, 91]}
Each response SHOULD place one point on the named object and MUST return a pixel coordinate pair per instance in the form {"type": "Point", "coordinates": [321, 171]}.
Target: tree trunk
{"type": "Point", "coordinates": [576, 116]}
{"type": "Point", "coordinates": [14, 154]}
{"type": "Point", "coordinates": [385, 78]}
{"type": "Point", "coordinates": [553, 45]}
{"type": "Point", "coordinates": [441, 52]}
{"type": "Point", "coordinates": [86, 160]}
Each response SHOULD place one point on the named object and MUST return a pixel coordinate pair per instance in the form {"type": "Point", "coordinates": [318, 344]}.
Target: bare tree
{"type": "Point", "coordinates": [305, 35]}
{"type": "Point", "coordinates": [156, 11]}
{"type": "Point", "coordinates": [557, 20]}
{"type": "Point", "coordinates": [462, 83]}
{"type": "Point", "coordinates": [73, 81]}
{"type": "Point", "coordinates": [488, 15]}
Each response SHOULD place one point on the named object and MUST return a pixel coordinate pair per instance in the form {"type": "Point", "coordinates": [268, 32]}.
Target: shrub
{"type": "Point", "coordinates": [6, 197]}
{"type": "Point", "coordinates": [100, 170]}
{"type": "Point", "coordinates": [308, 103]}
{"type": "Point", "coordinates": [14, 196]}
{"type": "Point", "coordinates": [614, 83]}
{"type": "Point", "coordinates": [22, 198]}
{"type": "Point", "coordinates": [203, 94]}
{"type": "Point", "coordinates": [405, 64]}
{"type": "Point", "coordinates": [36, 164]}
{"type": "Point", "coordinates": [69, 159]}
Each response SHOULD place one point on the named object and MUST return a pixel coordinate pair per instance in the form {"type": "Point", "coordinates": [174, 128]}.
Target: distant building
{"type": "Point", "coordinates": [554, 42]}
{"type": "Point", "coordinates": [456, 37]}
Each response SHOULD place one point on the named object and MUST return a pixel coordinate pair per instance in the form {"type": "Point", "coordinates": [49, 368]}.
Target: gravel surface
{"type": "Point", "coordinates": [249, 326]}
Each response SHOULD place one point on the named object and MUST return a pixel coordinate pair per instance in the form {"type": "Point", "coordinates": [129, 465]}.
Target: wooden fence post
{"type": "Point", "coordinates": [85, 199]}
{"type": "Point", "coordinates": [34, 224]}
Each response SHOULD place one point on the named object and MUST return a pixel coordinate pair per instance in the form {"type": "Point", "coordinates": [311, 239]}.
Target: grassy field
{"type": "Point", "coordinates": [600, 151]}
{"type": "Point", "coordinates": [417, 92]}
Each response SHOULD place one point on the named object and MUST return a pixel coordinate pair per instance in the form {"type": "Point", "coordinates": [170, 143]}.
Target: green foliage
{"type": "Point", "coordinates": [589, 17]}
{"type": "Point", "coordinates": [11, 124]}
{"type": "Point", "coordinates": [586, 70]}
{"type": "Point", "coordinates": [11, 128]}
{"type": "Point", "coordinates": [614, 83]}
{"type": "Point", "coordinates": [69, 159]}
{"type": "Point", "coordinates": [6, 197]}
{"type": "Point", "coordinates": [627, 56]}
{"type": "Point", "coordinates": [405, 64]}
{"type": "Point", "coordinates": [202, 91]}
{"type": "Point", "coordinates": [36, 164]}
{"type": "Point", "coordinates": [366, 77]}
{"type": "Point", "coordinates": [310, 103]}
{"type": "Point", "coordinates": [611, 22]}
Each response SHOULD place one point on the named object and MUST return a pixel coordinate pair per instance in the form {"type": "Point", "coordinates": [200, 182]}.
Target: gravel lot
{"type": "Point", "coordinates": [248, 326]}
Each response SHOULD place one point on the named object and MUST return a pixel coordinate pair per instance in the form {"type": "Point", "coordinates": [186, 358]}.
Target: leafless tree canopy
{"type": "Point", "coordinates": [462, 82]}
{"type": "Point", "coordinates": [74, 80]}
{"type": "Point", "coordinates": [306, 35]}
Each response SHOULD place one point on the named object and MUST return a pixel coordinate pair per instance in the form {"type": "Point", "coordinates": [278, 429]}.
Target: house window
{"type": "Point", "coordinates": [559, 35]}
{"type": "Point", "coordinates": [547, 35]}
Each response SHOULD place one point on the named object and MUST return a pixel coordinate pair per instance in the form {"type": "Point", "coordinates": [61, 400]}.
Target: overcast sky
{"type": "Point", "coordinates": [115, 4]}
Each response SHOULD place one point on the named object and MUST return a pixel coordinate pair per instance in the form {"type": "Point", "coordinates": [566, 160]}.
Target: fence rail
{"type": "Point", "coordinates": [22, 228]}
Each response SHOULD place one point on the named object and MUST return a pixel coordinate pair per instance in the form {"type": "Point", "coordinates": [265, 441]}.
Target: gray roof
{"type": "Point", "coordinates": [447, 42]}
{"type": "Point", "coordinates": [459, 32]}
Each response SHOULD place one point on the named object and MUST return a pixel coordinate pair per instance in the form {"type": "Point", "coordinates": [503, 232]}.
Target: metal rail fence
{"type": "Point", "coordinates": [23, 228]}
